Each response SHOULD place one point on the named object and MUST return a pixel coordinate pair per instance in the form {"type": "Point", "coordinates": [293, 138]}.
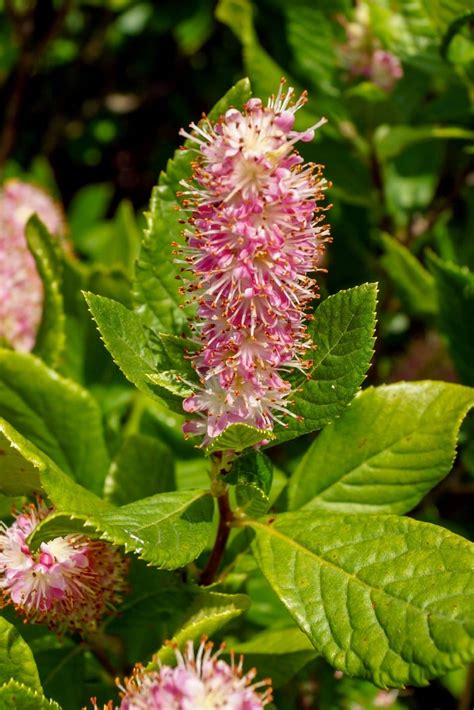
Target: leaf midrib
{"type": "Point", "coordinates": [160, 521]}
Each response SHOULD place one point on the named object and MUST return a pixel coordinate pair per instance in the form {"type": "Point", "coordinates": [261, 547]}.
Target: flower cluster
{"type": "Point", "coordinates": [69, 583]}
{"type": "Point", "coordinates": [21, 290]}
{"type": "Point", "coordinates": [200, 680]}
{"type": "Point", "coordinates": [256, 236]}
{"type": "Point", "coordinates": [363, 55]}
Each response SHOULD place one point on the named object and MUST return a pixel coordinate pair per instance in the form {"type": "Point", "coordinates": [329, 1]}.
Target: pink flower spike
{"type": "Point", "coordinates": [21, 289]}
{"type": "Point", "coordinates": [255, 238]}
{"type": "Point", "coordinates": [201, 680]}
{"type": "Point", "coordinates": [70, 583]}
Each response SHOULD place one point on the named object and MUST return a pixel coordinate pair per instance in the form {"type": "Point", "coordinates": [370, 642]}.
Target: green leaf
{"type": "Point", "coordinates": [139, 353]}
{"type": "Point", "coordinates": [50, 339]}
{"type": "Point", "coordinates": [168, 530]}
{"type": "Point", "coordinates": [410, 181]}
{"type": "Point", "coordinates": [252, 476]}
{"type": "Point", "coordinates": [143, 466]}
{"type": "Point", "coordinates": [88, 206]}
{"type": "Point", "coordinates": [115, 242]}
{"type": "Point", "coordinates": [444, 12]}
{"type": "Point", "coordinates": [68, 495]}
{"type": "Point", "coordinates": [172, 382]}
{"type": "Point", "coordinates": [277, 654]}
{"type": "Point", "coordinates": [237, 437]}
{"type": "Point", "coordinates": [19, 463]}
{"type": "Point", "coordinates": [389, 448]}
{"type": "Point", "coordinates": [16, 658]}
{"type": "Point", "coordinates": [413, 283]}
{"type": "Point", "coordinates": [311, 37]}
{"type": "Point", "coordinates": [208, 614]}
{"type": "Point", "coordinates": [60, 524]}
{"type": "Point", "coordinates": [157, 296]}
{"type": "Point", "coordinates": [381, 597]}
{"type": "Point", "coordinates": [343, 334]}
{"type": "Point", "coordinates": [16, 696]}
{"type": "Point", "coordinates": [126, 339]}
{"type": "Point", "coordinates": [60, 420]}
{"type": "Point", "coordinates": [178, 351]}
{"type": "Point", "coordinates": [390, 141]}
{"type": "Point", "coordinates": [409, 32]}
{"type": "Point", "coordinates": [455, 288]}
{"type": "Point", "coordinates": [264, 72]}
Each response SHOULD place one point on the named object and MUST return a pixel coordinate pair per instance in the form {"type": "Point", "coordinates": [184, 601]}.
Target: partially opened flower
{"type": "Point", "coordinates": [201, 680]}
{"type": "Point", "coordinates": [256, 237]}
{"type": "Point", "coordinates": [21, 289]}
{"type": "Point", "coordinates": [68, 583]}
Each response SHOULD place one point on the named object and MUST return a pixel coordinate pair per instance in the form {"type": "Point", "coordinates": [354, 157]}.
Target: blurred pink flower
{"type": "Point", "coordinates": [21, 289]}
{"type": "Point", "coordinates": [199, 681]}
{"type": "Point", "coordinates": [69, 583]}
{"type": "Point", "coordinates": [363, 55]}
{"type": "Point", "coordinates": [256, 235]}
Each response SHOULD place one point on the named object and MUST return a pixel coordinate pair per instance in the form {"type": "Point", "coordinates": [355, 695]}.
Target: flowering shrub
{"type": "Point", "coordinates": [201, 435]}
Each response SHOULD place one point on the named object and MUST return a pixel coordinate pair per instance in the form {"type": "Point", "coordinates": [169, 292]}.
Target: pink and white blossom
{"type": "Point", "coordinates": [200, 680]}
{"type": "Point", "coordinates": [255, 239]}
{"type": "Point", "coordinates": [70, 582]}
{"type": "Point", "coordinates": [21, 289]}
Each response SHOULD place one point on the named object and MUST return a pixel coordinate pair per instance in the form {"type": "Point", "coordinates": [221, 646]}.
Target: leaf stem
{"type": "Point", "coordinates": [466, 696]}
{"type": "Point", "coordinates": [223, 531]}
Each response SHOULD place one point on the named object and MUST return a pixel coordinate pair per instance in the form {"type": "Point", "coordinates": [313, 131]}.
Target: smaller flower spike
{"type": "Point", "coordinates": [68, 584]}
{"type": "Point", "coordinates": [21, 290]}
{"type": "Point", "coordinates": [201, 680]}
{"type": "Point", "coordinates": [255, 237]}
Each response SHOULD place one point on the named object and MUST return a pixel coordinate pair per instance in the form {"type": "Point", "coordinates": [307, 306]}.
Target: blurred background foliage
{"type": "Point", "coordinates": [92, 95]}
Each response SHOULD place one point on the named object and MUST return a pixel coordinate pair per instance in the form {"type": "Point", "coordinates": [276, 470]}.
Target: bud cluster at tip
{"type": "Point", "coordinates": [255, 236]}
{"type": "Point", "coordinates": [200, 680]}
{"type": "Point", "coordinates": [21, 289]}
{"type": "Point", "coordinates": [69, 583]}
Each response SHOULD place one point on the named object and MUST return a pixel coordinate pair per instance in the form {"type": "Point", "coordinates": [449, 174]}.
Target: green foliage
{"type": "Point", "coordinates": [157, 297]}
{"type": "Point", "coordinates": [143, 466]}
{"type": "Point", "coordinates": [455, 289]}
{"type": "Point", "coordinates": [15, 695]}
{"type": "Point", "coordinates": [50, 339]}
{"type": "Point", "coordinates": [208, 613]}
{"type": "Point", "coordinates": [413, 283]}
{"type": "Point", "coordinates": [18, 463]}
{"type": "Point", "coordinates": [55, 422]}
{"type": "Point", "coordinates": [16, 659]}
{"type": "Point", "coordinates": [343, 335]}
{"type": "Point", "coordinates": [238, 437]}
{"type": "Point", "coordinates": [381, 597]}
{"type": "Point", "coordinates": [278, 654]}
{"type": "Point", "coordinates": [252, 476]}
{"type": "Point", "coordinates": [391, 446]}
{"type": "Point", "coordinates": [167, 530]}
{"type": "Point", "coordinates": [390, 141]}
{"type": "Point", "coordinates": [126, 339]}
